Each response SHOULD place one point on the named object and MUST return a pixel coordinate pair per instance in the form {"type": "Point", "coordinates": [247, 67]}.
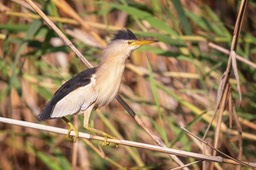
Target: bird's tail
{"type": "Point", "coordinates": [44, 114]}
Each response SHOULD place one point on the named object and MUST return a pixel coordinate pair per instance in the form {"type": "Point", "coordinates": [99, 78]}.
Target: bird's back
{"type": "Point", "coordinates": [79, 81]}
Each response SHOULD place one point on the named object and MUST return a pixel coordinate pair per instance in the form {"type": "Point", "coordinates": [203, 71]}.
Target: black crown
{"type": "Point", "coordinates": [125, 34]}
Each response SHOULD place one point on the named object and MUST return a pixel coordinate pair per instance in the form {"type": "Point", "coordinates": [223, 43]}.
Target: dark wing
{"type": "Point", "coordinates": [81, 79]}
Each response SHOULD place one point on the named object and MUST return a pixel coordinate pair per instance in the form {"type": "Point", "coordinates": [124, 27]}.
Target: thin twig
{"type": "Point", "coordinates": [126, 142]}
{"type": "Point", "coordinates": [63, 20]}
{"type": "Point", "coordinates": [220, 114]}
{"type": "Point", "coordinates": [237, 162]}
{"type": "Point", "coordinates": [116, 141]}
{"type": "Point", "coordinates": [224, 86]}
{"type": "Point", "coordinates": [75, 145]}
{"type": "Point", "coordinates": [180, 167]}
{"type": "Point", "coordinates": [60, 34]}
{"type": "Point", "coordinates": [240, 138]}
{"type": "Point", "coordinates": [102, 154]}
{"type": "Point", "coordinates": [66, 8]}
{"type": "Point", "coordinates": [137, 158]}
{"type": "Point", "coordinates": [233, 48]}
{"type": "Point", "coordinates": [157, 139]}
{"type": "Point", "coordinates": [238, 57]}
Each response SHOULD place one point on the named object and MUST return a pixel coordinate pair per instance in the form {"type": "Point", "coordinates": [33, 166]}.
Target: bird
{"type": "Point", "coordinates": [94, 87]}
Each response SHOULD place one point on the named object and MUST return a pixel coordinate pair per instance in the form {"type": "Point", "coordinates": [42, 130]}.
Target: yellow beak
{"type": "Point", "coordinates": [142, 42]}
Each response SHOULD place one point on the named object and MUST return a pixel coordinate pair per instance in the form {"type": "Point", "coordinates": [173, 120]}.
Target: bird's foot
{"type": "Point", "coordinates": [105, 142]}
{"type": "Point", "coordinates": [72, 128]}
{"type": "Point", "coordinates": [99, 132]}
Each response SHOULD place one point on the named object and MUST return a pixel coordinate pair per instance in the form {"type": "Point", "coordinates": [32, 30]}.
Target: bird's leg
{"type": "Point", "coordinates": [104, 134]}
{"type": "Point", "coordinates": [87, 114]}
{"type": "Point", "coordinates": [71, 128]}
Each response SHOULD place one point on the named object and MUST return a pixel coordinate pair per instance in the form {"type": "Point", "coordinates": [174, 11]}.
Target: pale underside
{"type": "Point", "coordinates": [108, 82]}
{"type": "Point", "coordinates": [76, 101]}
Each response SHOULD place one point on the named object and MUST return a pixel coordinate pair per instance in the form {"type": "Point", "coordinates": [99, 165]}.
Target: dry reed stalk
{"type": "Point", "coordinates": [224, 88]}
{"type": "Point", "coordinates": [127, 143]}
{"type": "Point", "coordinates": [247, 123]}
{"type": "Point", "coordinates": [101, 153]}
{"type": "Point", "coordinates": [238, 162]}
{"type": "Point", "coordinates": [75, 145]}
{"type": "Point", "coordinates": [238, 57]}
{"type": "Point", "coordinates": [66, 8]}
{"type": "Point", "coordinates": [62, 20]}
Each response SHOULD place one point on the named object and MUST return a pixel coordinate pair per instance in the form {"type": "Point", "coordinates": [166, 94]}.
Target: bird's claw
{"type": "Point", "coordinates": [106, 136]}
{"type": "Point", "coordinates": [72, 128]}
{"type": "Point", "coordinates": [105, 142]}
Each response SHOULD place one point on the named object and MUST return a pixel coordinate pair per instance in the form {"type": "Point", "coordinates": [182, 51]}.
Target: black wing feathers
{"type": "Point", "coordinates": [81, 79]}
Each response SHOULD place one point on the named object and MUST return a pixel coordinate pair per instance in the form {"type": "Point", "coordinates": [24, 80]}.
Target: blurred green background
{"type": "Point", "coordinates": [168, 84]}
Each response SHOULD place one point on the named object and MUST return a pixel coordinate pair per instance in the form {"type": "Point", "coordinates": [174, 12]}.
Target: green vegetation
{"type": "Point", "coordinates": [168, 84]}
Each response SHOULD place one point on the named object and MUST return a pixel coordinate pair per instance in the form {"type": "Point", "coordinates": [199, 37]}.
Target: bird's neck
{"type": "Point", "coordinates": [108, 77]}
{"type": "Point", "coordinates": [113, 65]}
{"type": "Point", "coordinates": [110, 70]}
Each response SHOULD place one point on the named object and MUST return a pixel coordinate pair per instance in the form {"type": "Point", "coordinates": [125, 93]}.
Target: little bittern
{"type": "Point", "coordinates": [94, 87]}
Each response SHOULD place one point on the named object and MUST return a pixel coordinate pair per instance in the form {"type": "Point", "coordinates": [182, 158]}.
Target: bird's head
{"type": "Point", "coordinates": [124, 42]}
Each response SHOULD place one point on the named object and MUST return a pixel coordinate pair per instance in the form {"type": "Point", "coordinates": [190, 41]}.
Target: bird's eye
{"type": "Point", "coordinates": [129, 42]}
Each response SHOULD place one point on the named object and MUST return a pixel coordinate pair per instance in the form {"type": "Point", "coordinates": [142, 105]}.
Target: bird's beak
{"type": "Point", "coordinates": [142, 42]}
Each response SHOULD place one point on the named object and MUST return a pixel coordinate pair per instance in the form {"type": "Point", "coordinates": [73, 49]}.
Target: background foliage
{"type": "Point", "coordinates": [171, 83]}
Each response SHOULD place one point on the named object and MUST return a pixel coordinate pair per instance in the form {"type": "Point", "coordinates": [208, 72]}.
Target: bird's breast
{"type": "Point", "coordinates": [108, 82]}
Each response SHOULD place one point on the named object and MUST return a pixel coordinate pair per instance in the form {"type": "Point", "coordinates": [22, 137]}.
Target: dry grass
{"type": "Point", "coordinates": [171, 84]}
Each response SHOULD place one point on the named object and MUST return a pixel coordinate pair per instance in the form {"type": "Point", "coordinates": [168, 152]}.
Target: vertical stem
{"type": "Point", "coordinates": [75, 146]}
